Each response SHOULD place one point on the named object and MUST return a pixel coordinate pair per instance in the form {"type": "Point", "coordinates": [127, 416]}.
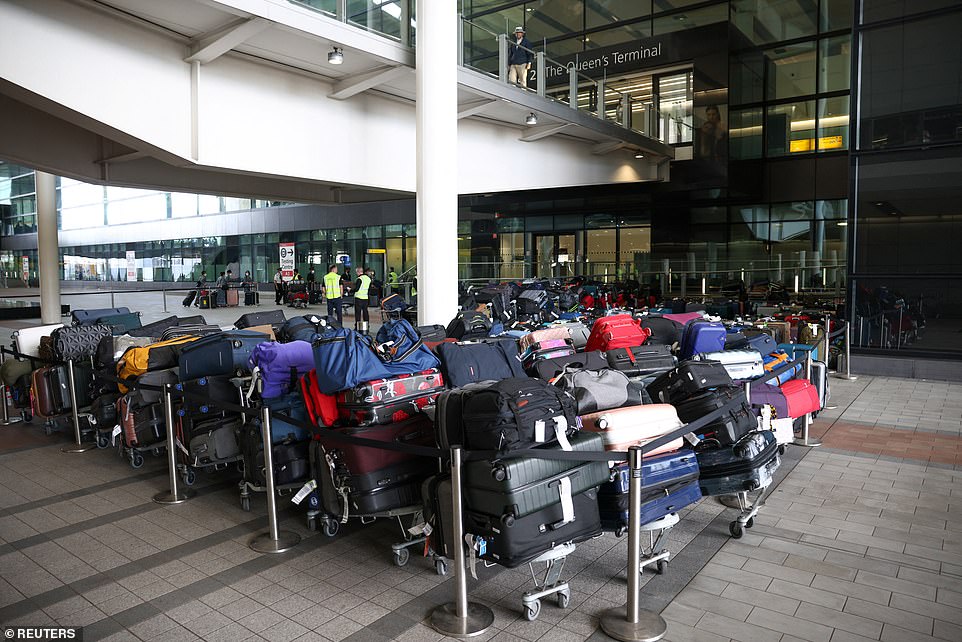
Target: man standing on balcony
{"type": "Point", "coordinates": [519, 59]}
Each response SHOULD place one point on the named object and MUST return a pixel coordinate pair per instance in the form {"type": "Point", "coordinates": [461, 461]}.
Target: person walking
{"type": "Point", "coordinates": [392, 281]}
{"type": "Point", "coordinates": [361, 295]}
{"type": "Point", "coordinates": [519, 59]}
{"type": "Point", "coordinates": [278, 287]}
{"type": "Point", "coordinates": [332, 291]}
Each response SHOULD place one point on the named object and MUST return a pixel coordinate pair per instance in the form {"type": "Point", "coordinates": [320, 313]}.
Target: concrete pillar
{"type": "Point", "coordinates": [48, 250]}
{"type": "Point", "coordinates": [437, 161]}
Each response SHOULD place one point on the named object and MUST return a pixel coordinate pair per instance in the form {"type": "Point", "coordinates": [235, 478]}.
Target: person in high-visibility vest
{"type": "Point", "coordinates": [392, 281]}
{"type": "Point", "coordinates": [361, 295]}
{"type": "Point", "coordinates": [332, 291]}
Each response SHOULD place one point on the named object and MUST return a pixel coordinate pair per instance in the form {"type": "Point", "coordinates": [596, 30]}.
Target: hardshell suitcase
{"type": "Point", "coordinates": [387, 401]}
{"type": "Point", "coordinates": [291, 459]}
{"type": "Point", "coordinates": [120, 323]}
{"type": "Point", "coordinates": [59, 384]}
{"type": "Point", "coordinates": [739, 364]}
{"type": "Point", "coordinates": [636, 425]}
{"type": "Point", "coordinates": [195, 330]}
{"type": "Point", "coordinates": [655, 504]}
{"type": "Point", "coordinates": [27, 340]}
{"type": "Point", "coordinates": [641, 361]}
{"type": "Point", "coordinates": [219, 354]}
{"type": "Point", "coordinates": [549, 369]}
{"type": "Point", "coordinates": [687, 379]}
{"type": "Point", "coordinates": [672, 475]}
{"type": "Point", "coordinates": [802, 397]}
{"type": "Point", "coordinates": [270, 317]}
{"type": "Point", "coordinates": [732, 425]}
{"type": "Point", "coordinates": [579, 332]}
{"type": "Point", "coordinates": [464, 363]}
{"type": "Point", "coordinates": [355, 459]}
{"type": "Point", "coordinates": [702, 336]}
{"type": "Point", "coordinates": [664, 332]}
{"type": "Point", "coordinates": [781, 330]}
{"type": "Point", "coordinates": [534, 339]}
{"type": "Point", "coordinates": [432, 332]}
{"type": "Point", "coordinates": [515, 487]}
{"type": "Point", "coordinates": [536, 533]}
{"type": "Point", "coordinates": [747, 465]}
{"type": "Point", "coordinates": [763, 343]}
{"type": "Point", "coordinates": [252, 297]}
{"type": "Point", "coordinates": [89, 317]}
{"type": "Point", "coordinates": [233, 297]}
{"type": "Point", "coordinates": [43, 396]}
{"type": "Point", "coordinates": [78, 342]}
{"type": "Point", "coordinates": [206, 395]}
{"type": "Point", "coordinates": [155, 329]}
{"type": "Point", "coordinates": [141, 426]}
{"type": "Point", "coordinates": [617, 331]}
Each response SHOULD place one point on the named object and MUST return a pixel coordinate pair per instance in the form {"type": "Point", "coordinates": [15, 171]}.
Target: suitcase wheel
{"type": "Point", "coordinates": [507, 520]}
{"type": "Point", "coordinates": [499, 473]}
{"type": "Point", "coordinates": [401, 556]}
{"type": "Point", "coordinates": [441, 567]}
{"type": "Point", "coordinates": [330, 527]}
{"type": "Point", "coordinates": [736, 530]}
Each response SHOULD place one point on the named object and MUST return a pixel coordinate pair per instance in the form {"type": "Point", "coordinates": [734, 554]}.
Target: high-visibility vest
{"type": "Point", "coordinates": [332, 285]}
{"type": "Point", "coordinates": [365, 285]}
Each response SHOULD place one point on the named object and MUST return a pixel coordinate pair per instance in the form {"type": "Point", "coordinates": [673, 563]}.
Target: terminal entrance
{"type": "Point", "coordinates": [555, 255]}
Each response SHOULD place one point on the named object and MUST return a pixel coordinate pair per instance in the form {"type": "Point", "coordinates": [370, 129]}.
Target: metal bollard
{"type": "Point", "coordinates": [7, 419]}
{"type": "Point", "coordinates": [460, 619]}
{"type": "Point", "coordinates": [174, 495]}
{"type": "Point", "coordinates": [79, 446]}
{"type": "Point", "coordinates": [805, 440]}
{"type": "Point", "coordinates": [848, 355]}
{"type": "Point", "coordinates": [274, 540]}
{"type": "Point", "coordinates": [632, 623]}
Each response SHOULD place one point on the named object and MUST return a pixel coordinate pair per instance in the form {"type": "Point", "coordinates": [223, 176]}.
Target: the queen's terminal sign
{"type": "Point", "coordinates": [602, 61]}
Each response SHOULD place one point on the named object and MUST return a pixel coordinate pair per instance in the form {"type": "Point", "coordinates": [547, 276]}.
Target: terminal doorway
{"type": "Point", "coordinates": [554, 255]}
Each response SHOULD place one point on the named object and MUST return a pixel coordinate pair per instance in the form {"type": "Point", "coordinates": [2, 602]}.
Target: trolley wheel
{"type": "Point", "coordinates": [661, 567]}
{"type": "Point", "coordinates": [564, 599]}
{"type": "Point", "coordinates": [103, 441]}
{"type": "Point", "coordinates": [736, 530]}
{"type": "Point", "coordinates": [750, 522]}
{"type": "Point", "coordinates": [312, 523]}
{"type": "Point", "coordinates": [441, 567]}
{"type": "Point", "coordinates": [331, 527]}
{"type": "Point", "coordinates": [245, 502]}
{"type": "Point", "coordinates": [532, 610]}
{"type": "Point", "coordinates": [190, 477]}
{"type": "Point", "coordinates": [620, 531]}
{"type": "Point", "coordinates": [26, 416]}
{"type": "Point", "coordinates": [136, 460]}
{"type": "Point", "coordinates": [401, 556]}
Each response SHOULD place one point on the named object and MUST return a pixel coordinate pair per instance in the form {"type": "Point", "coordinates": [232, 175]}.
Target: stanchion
{"type": "Point", "coordinates": [805, 439]}
{"type": "Point", "coordinates": [460, 619]}
{"type": "Point", "coordinates": [848, 355]}
{"type": "Point", "coordinates": [632, 623]}
{"type": "Point", "coordinates": [274, 540]}
{"type": "Point", "coordinates": [7, 419]}
{"type": "Point", "coordinates": [79, 446]}
{"type": "Point", "coordinates": [174, 495]}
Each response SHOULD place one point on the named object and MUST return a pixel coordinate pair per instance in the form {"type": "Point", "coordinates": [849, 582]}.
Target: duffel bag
{"type": "Point", "coordinates": [157, 356]}
{"type": "Point", "coordinates": [303, 328]}
{"type": "Point", "coordinates": [79, 341]}
{"type": "Point", "coordinates": [596, 390]}
{"type": "Point", "coordinates": [281, 365]}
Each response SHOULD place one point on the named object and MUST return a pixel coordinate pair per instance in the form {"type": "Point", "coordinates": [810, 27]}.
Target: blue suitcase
{"type": "Point", "coordinates": [702, 336]}
{"type": "Point", "coordinates": [89, 317]}
{"type": "Point", "coordinates": [121, 323]}
{"type": "Point", "coordinates": [290, 405]}
{"type": "Point", "coordinates": [669, 483]}
{"type": "Point", "coordinates": [226, 353]}
{"type": "Point", "coordinates": [764, 343]}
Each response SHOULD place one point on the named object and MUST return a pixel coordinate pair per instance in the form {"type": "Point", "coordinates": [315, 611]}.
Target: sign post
{"type": "Point", "coordinates": [287, 260]}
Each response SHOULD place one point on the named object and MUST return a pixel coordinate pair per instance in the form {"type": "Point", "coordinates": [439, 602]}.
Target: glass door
{"type": "Point", "coordinates": [673, 99]}
{"type": "Point", "coordinates": [554, 255]}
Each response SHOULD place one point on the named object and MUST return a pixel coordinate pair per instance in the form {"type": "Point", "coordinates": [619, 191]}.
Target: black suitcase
{"type": "Point", "coordinates": [189, 299]}
{"type": "Point", "coordinates": [59, 383]}
{"type": "Point", "coordinates": [197, 319]}
{"type": "Point", "coordinates": [548, 369]}
{"type": "Point", "coordinates": [78, 342]}
{"type": "Point", "coordinates": [189, 330]}
{"type": "Point", "coordinates": [468, 325]}
{"type": "Point", "coordinates": [252, 297]}
{"type": "Point", "coordinates": [121, 323]}
{"type": "Point", "coordinates": [386, 489]}
{"type": "Point", "coordinates": [203, 396]}
{"type": "Point", "coordinates": [641, 361]}
{"type": "Point", "coordinates": [215, 443]}
{"type": "Point", "coordinates": [728, 429]}
{"type": "Point", "coordinates": [207, 301]}
{"type": "Point", "coordinates": [472, 362]}
{"type": "Point", "coordinates": [747, 465]}
{"type": "Point", "coordinates": [89, 317]}
{"type": "Point", "coordinates": [154, 378]}
{"type": "Point", "coordinates": [688, 379]}
{"type": "Point", "coordinates": [270, 317]}
{"type": "Point", "coordinates": [432, 332]}
{"type": "Point", "coordinates": [534, 534]}
{"type": "Point", "coordinates": [155, 329]}
{"type": "Point", "coordinates": [664, 332]}
{"type": "Point", "coordinates": [291, 459]}
{"type": "Point", "coordinates": [516, 487]}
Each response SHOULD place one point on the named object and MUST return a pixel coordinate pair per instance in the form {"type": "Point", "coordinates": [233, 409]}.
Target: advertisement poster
{"type": "Point", "coordinates": [26, 269]}
{"type": "Point", "coordinates": [287, 260]}
{"type": "Point", "coordinates": [131, 266]}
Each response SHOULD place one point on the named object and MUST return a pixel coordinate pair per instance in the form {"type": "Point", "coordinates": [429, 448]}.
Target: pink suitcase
{"type": "Point", "coordinates": [540, 336]}
{"type": "Point", "coordinates": [635, 425]}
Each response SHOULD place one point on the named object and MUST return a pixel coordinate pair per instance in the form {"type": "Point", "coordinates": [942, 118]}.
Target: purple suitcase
{"type": "Point", "coordinates": [765, 393]}
{"type": "Point", "coordinates": [281, 365]}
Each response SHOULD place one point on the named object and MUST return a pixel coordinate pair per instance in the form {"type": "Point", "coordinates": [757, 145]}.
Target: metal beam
{"type": "Point", "coordinates": [213, 45]}
{"type": "Point", "coordinates": [357, 84]}
{"type": "Point", "coordinates": [474, 107]}
{"type": "Point", "coordinates": [123, 158]}
{"type": "Point", "coordinates": [543, 131]}
{"type": "Point", "coordinates": [606, 148]}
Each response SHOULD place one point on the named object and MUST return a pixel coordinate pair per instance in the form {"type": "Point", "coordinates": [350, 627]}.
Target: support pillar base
{"type": "Point", "coordinates": [808, 442]}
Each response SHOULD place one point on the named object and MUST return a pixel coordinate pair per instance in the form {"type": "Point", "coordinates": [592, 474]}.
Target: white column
{"type": "Point", "coordinates": [437, 161]}
{"type": "Point", "coordinates": [48, 250]}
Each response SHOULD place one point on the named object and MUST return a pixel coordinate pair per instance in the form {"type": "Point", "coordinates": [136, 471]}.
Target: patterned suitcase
{"type": "Point", "coordinates": [78, 341]}
{"type": "Point", "coordinates": [386, 401]}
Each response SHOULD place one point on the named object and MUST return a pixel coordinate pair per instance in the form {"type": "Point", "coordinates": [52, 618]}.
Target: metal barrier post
{"type": "Point", "coordinates": [174, 495]}
{"type": "Point", "coordinates": [79, 446]}
{"type": "Point", "coordinates": [632, 623]}
{"type": "Point", "coordinates": [460, 619]}
{"type": "Point", "coordinates": [274, 540]}
{"type": "Point", "coordinates": [7, 419]}
{"type": "Point", "coordinates": [805, 440]}
{"type": "Point", "coordinates": [848, 355]}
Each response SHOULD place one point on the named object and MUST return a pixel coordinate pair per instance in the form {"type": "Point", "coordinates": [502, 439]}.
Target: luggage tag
{"type": "Point", "coordinates": [477, 547]}
{"type": "Point", "coordinates": [304, 491]}
{"type": "Point", "coordinates": [113, 435]}
{"type": "Point", "coordinates": [181, 446]}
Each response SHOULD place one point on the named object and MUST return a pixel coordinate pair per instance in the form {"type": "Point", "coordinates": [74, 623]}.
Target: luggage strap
{"type": "Point", "coordinates": [567, 505]}
{"type": "Point", "coordinates": [560, 430]}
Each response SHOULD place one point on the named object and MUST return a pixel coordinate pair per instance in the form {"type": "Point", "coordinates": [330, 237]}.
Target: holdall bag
{"type": "Point", "coordinates": [78, 342]}
{"type": "Point", "coordinates": [13, 369]}
{"type": "Point", "coordinates": [217, 445]}
{"type": "Point", "coordinates": [270, 317]}
{"type": "Point", "coordinates": [686, 379]}
{"type": "Point", "coordinates": [626, 427]}
{"type": "Point", "coordinates": [732, 425]}
{"type": "Point", "coordinates": [468, 324]}
{"type": "Point", "coordinates": [388, 401]}
{"type": "Point", "coordinates": [617, 331]}
{"type": "Point", "coordinates": [702, 336]}
{"type": "Point", "coordinates": [161, 355]}
{"type": "Point", "coordinates": [435, 332]}
{"type": "Point", "coordinates": [596, 390]}
{"type": "Point", "coordinates": [641, 361]}
{"type": "Point", "coordinates": [740, 364]}
{"type": "Point", "coordinates": [226, 353]}
{"type": "Point", "coordinates": [549, 369]}
{"type": "Point", "coordinates": [663, 331]}
{"type": "Point", "coordinates": [534, 339]}
{"type": "Point", "coordinates": [801, 396]}
{"type": "Point", "coordinates": [89, 317]}
{"type": "Point", "coordinates": [121, 323]}
{"type": "Point", "coordinates": [469, 363]}
{"type": "Point", "coordinates": [304, 328]}
{"type": "Point", "coordinates": [280, 366]}
{"type": "Point", "coordinates": [155, 329]}
{"type": "Point", "coordinates": [399, 344]}
{"type": "Point", "coordinates": [747, 465]}
{"type": "Point", "coordinates": [514, 413]}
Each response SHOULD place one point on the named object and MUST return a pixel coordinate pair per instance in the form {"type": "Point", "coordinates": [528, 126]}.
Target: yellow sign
{"type": "Point", "coordinates": [377, 250]}
{"type": "Point", "coordinates": [808, 144]}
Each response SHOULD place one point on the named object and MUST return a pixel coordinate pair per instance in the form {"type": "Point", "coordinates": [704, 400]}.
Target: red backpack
{"type": "Point", "coordinates": [618, 331]}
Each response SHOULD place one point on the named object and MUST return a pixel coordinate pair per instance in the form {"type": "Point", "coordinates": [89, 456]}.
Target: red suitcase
{"type": "Point", "coordinates": [388, 401]}
{"type": "Point", "coordinates": [802, 397]}
{"type": "Point", "coordinates": [618, 331]}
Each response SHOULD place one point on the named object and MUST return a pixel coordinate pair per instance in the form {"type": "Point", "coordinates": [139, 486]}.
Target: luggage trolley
{"type": "Point", "coordinates": [747, 509]}
{"type": "Point", "coordinates": [551, 584]}
{"type": "Point", "coordinates": [654, 554]}
{"type": "Point", "coordinates": [189, 466]}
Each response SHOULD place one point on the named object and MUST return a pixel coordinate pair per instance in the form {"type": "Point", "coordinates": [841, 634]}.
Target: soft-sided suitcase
{"type": "Point", "coordinates": [732, 425]}
{"type": "Point", "coordinates": [432, 332]}
{"type": "Point", "coordinates": [89, 317]}
{"type": "Point", "coordinates": [781, 330]}
{"type": "Point", "coordinates": [801, 396]}
{"type": "Point", "coordinates": [219, 354]}
{"type": "Point", "coordinates": [270, 317]}
{"type": "Point", "coordinates": [473, 362]}
{"type": "Point", "coordinates": [664, 332]}
{"type": "Point", "coordinates": [739, 364]}
{"type": "Point", "coordinates": [702, 336]}
{"type": "Point", "coordinates": [27, 340]}
{"type": "Point", "coordinates": [143, 426]}
{"type": "Point", "coordinates": [534, 340]}
{"type": "Point", "coordinates": [387, 401]}
{"type": "Point", "coordinates": [617, 331]}
{"type": "Point", "coordinates": [157, 356]}
{"type": "Point", "coordinates": [467, 325]}
{"type": "Point", "coordinates": [549, 369]}
{"type": "Point", "coordinates": [206, 395]}
{"type": "Point", "coordinates": [291, 460]}
{"type": "Point", "coordinates": [537, 533]}
{"type": "Point", "coordinates": [515, 487]}
{"type": "Point", "coordinates": [747, 465]}
{"type": "Point", "coordinates": [78, 342]}
{"type": "Point", "coordinates": [687, 379]}
{"type": "Point", "coordinates": [155, 329]}
{"type": "Point", "coordinates": [641, 361]}
{"type": "Point", "coordinates": [766, 394]}
{"type": "Point", "coordinates": [669, 483]}
{"type": "Point", "coordinates": [216, 443]}
{"type": "Point", "coordinates": [121, 323]}
{"type": "Point", "coordinates": [636, 425]}
{"type": "Point", "coordinates": [195, 330]}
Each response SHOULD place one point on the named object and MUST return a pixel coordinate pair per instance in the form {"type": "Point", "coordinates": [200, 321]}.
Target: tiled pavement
{"type": "Point", "coordinates": [857, 542]}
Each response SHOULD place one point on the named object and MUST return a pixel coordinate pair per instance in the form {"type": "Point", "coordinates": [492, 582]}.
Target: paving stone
{"type": "Point", "coordinates": [799, 627]}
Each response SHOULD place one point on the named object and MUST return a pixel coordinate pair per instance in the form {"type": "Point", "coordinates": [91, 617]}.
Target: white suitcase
{"type": "Point", "coordinates": [635, 425]}
{"type": "Point", "coordinates": [784, 429]}
{"type": "Point", "coordinates": [27, 340]}
{"type": "Point", "coordinates": [820, 381]}
{"type": "Point", "coordinates": [740, 364]}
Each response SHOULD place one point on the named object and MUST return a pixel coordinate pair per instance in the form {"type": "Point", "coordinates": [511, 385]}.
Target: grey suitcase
{"type": "Point", "coordinates": [217, 445]}
{"type": "Point", "coordinates": [747, 465]}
